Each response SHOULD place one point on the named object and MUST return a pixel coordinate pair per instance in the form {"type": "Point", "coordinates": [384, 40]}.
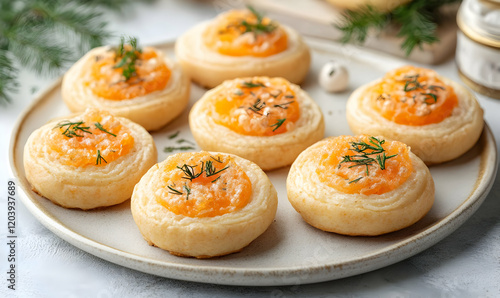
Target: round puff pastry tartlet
{"type": "Point", "coordinates": [203, 204]}
{"type": "Point", "coordinates": [89, 160]}
{"type": "Point", "coordinates": [242, 43]}
{"type": "Point", "coordinates": [142, 85]}
{"type": "Point", "coordinates": [266, 120]}
{"type": "Point", "coordinates": [360, 185]}
{"type": "Point", "coordinates": [437, 117]}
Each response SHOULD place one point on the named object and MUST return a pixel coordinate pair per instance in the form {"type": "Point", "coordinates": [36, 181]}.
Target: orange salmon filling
{"type": "Point", "coordinates": [413, 96]}
{"type": "Point", "coordinates": [107, 81]}
{"type": "Point", "coordinates": [364, 165]}
{"type": "Point", "coordinates": [257, 106]}
{"type": "Point", "coordinates": [201, 184]}
{"type": "Point", "coordinates": [96, 139]}
{"type": "Point", "coordinates": [245, 33]}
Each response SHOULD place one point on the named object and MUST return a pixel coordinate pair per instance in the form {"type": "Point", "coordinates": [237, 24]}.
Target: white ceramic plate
{"type": "Point", "coordinates": [290, 251]}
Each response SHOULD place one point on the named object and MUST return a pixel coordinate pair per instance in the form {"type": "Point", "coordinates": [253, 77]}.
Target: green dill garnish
{"type": "Point", "coordinates": [173, 190]}
{"type": "Point", "coordinates": [127, 58]}
{"type": "Point", "coordinates": [259, 27]}
{"type": "Point", "coordinates": [434, 87]}
{"type": "Point", "coordinates": [257, 106]}
{"type": "Point", "coordinates": [289, 96]}
{"type": "Point", "coordinates": [219, 160]}
{"type": "Point", "coordinates": [73, 128]}
{"type": "Point", "coordinates": [284, 105]}
{"type": "Point", "coordinates": [210, 169]}
{"type": "Point", "coordinates": [188, 191]}
{"type": "Point", "coordinates": [174, 135]}
{"type": "Point", "coordinates": [101, 128]}
{"type": "Point", "coordinates": [252, 85]}
{"type": "Point", "coordinates": [99, 159]}
{"type": "Point", "coordinates": [355, 180]}
{"type": "Point", "coordinates": [238, 92]}
{"type": "Point", "coordinates": [180, 148]}
{"type": "Point", "coordinates": [206, 167]}
{"type": "Point", "coordinates": [190, 172]}
{"type": "Point", "coordinates": [278, 123]}
{"type": "Point", "coordinates": [376, 155]}
{"type": "Point", "coordinates": [430, 96]}
{"type": "Point", "coordinates": [412, 83]}
{"type": "Point", "coordinates": [180, 141]}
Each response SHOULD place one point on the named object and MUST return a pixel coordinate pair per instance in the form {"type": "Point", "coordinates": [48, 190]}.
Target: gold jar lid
{"type": "Point", "coordinates": [480, 21]}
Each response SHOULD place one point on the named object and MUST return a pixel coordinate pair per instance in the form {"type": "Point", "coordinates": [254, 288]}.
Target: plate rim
{"type": "Point", "coordinates": [254, 276]}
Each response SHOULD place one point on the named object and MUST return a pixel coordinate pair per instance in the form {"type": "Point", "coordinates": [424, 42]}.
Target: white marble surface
{"type": "Point", "coordinates": [465, 264]}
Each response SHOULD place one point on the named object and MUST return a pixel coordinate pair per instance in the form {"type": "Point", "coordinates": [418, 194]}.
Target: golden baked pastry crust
{"type": "Point", "coordinates": [87, 187]}
{"type": "Point", "coordinates": [152, 111]}
{"type": "Point", "coordinates": [433, 143]}
{"type": "Point", "coordinates": [206, 236]}
{"type": "Point", "coordinates": [209, 68]}
{"type": "Point", "coordinates": [268, 152]}
{"type": "Point", "coordinates": [330, 210]}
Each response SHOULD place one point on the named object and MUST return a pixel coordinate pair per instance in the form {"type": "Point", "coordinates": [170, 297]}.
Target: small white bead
{"type": "Point", "coordinates": [334, 77]}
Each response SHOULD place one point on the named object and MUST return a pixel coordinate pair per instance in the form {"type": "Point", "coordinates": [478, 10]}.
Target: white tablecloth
{"type": "Point", "coordinates": [465, 264]}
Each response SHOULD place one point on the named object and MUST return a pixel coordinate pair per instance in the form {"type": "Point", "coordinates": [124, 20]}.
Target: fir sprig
{"type": "Point", "coordinates": [8, 75]}
{"type": "Point", "coordinates": [45, 36]}
{"type": "Point", "coordinates": [417, 22]}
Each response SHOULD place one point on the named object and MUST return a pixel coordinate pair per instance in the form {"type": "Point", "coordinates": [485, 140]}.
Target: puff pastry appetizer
{"type": "Point", "coordinates": [266, 120]}
{"type": "Point", "coordinates": [360, 185]}
{"type": "Point", "coordinates": [203, 204]}
{"type": "Point", "coordinates": [89, 160]}
{"type": "Point", "coordinates": [242, 43]}
{"type": "Point", "coordinates": [142, 85]}
{"type": "Point", "coordinates": [437, 117]}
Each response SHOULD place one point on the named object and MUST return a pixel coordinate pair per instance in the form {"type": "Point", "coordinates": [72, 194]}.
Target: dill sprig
{"type": "Point", "coordinates": [174, 135]}
{"type": "Point", "coordinates": [179, 148]}
{"type": "Point", "coordinates": [412, 84]}
{"type": "Point", "coordinates": [101, 128]}
{"type": "Point", "coordinates": [284, 105]}
{"type": "Point", "coordinates": [127, 57]}
{"type": "Point", "coordinates": [417, 22]}
{"type": "Point", "coordinates": [174, 191]}
{"type": "Point", "coordinates": [257, 106]}
{"type": "Point", "coordinates": [368, 154]}
{"type": "Point", "coordinates": [210, 169]}
{"type": "Point", "coordinates": [278, 123]}
{"type": "Point", "coordinates": [249, 84]}
{"type": "Point", "coordinates": [73, 129]}
{"type": "Point", "coordinates": [190, 171]}
{"type": "Point", "coordinates": [99, 159]}
{"type": "Point", "coordinates": [259, 27]}
{"type": "Point", "coordinates": [207, 167]}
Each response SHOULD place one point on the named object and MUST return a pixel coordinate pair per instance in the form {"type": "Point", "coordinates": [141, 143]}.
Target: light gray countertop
{"type": "Point", "coordinates": [464, 264]}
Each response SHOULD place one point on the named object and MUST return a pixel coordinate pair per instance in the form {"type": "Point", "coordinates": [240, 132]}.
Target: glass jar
{"type": "Point", "coordinates": [478, 46]}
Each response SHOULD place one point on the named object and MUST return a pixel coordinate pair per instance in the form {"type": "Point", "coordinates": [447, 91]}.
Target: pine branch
{"type": "Point", "coordinates": [46, 35]}
{"type": "Point", "coordinates": [77, 23]}
{"type": "Point", "coordinates": [35, 49]}
{"type": "Point", "coordinates": [359, 22]}
{"type": "Point", "coordinates": [8, 78]}
{"type": "Point", "coordinates": [417, 22]}
{"type": "Point", "coordinates": [417, 26]}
